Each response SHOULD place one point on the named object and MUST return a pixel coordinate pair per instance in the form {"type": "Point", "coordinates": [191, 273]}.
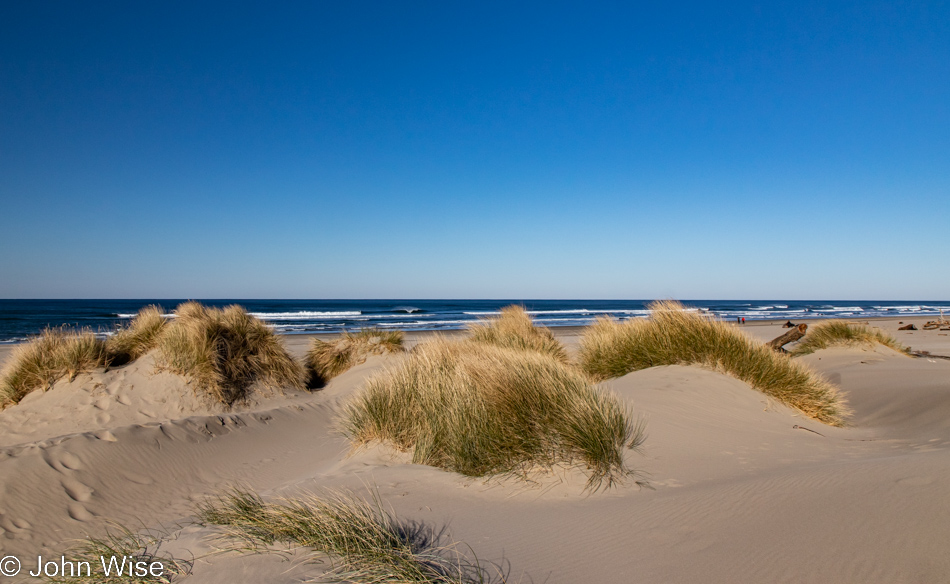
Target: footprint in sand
{"type": "Point", "coordinates": [103, 418]}
{"type": "Point", "coordinates": [70, 461]}
{"type": "Point", "coordinates": [123, 399]}
{"type": "Point", "coordinates": [62, 461]}
{"type": "Point", "coordinates": [78, 512]}
{"type": "Point", "coordinates": [103, 403]}
{"type": "Point", "coordinates": [105, 436]}
{"type": "Point", "coordinates": [77, 491]}
{"type": "Point", "coordinates": [14, 528]}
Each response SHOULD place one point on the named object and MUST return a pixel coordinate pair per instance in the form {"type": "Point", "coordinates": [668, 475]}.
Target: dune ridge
{"type": "Point", "coordinates": [742, 488]}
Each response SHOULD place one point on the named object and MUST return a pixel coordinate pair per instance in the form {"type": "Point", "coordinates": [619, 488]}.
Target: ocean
{"type": "Point", "coordinates": [19, 319]}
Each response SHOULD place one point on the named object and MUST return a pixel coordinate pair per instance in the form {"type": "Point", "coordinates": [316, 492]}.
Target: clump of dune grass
{"type": "Point", "coordinates": [139, 337]}
{"type": "Point", "coordinates": [832, 333]}
{"type": "Point", "coordinates": [327, 359]}
{"type": "Point", "coordinates": [480, 409]}
{"type": "Point", "coordinates": [226, 352]}
{"type": "Point", "coordinates": [123, 545]}
{"type": "Point", "coordinates": [364, 543]}
{"type": "Point", "coordinates": [514, 329]}
{"type": "Point", "coordinates": [53, 354]}
{"type": "Point", "coordinates": [675, 336]}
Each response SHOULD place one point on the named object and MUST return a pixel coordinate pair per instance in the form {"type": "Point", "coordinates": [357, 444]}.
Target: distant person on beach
{"type": "Point", "coordinates": [743, 320]}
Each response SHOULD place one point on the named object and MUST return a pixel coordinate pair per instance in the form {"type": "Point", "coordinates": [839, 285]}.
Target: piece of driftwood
{"type": "Point", "coordinates": [927, 355]}
{"type": "Point", "coordinates": [907, 327]}
{"type": "Point", "coordinates": [794, 334]}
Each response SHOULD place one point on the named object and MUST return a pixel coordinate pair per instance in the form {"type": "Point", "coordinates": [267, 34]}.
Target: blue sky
{"type": "Point", "coordinates": [438, 150]}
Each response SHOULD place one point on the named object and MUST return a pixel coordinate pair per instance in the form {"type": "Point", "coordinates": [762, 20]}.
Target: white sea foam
{"type": "Point", "coordinates": [300, 315]}
{"type": "Point", "coordinates": [569, 311]}
{"type": "Point", "coordinates": [426, 323]}
{"type": "Point", "coordinates": [304, 315]}
{"type": "Point", "coordinates": [170, 315]}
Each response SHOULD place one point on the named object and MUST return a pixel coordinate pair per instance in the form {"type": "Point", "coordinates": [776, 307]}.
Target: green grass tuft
{"type": "Point", "coordinates": [832, 333]}
{"type": "Point", "coordinates": [120, 542]}
{"type": "Point", "coordinates": [53, 354]}
{"type": "Point", "coordinates": [675, 336]}
{"type": "Point", "coordinates": [480, 410]}
{"type": "Point", "coordinates": [514, 329]}
{"type": "Point", "coordinates": [364, 543]}
{"type": "Point", "coordinates": [226, 352]}
{"type": "Point", "coordinates": [327, 359]}
{"type": "Point", "coordinates": [138, 338]}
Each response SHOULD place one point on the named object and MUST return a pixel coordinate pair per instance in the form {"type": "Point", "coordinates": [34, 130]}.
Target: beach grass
{"type": "Point", "coordinates": [51, 355]}
{"type": "Point", "coordinates": [139, 337]}
{"type": "Point", "coordinates": [675, 336]}
{"type": "Point", "coordinates": [226, 352]}
{"type": "Point", "coordinates": [327, 359]}
{"type": "Point", "coordinates": [122, 544]}
{"type": "Point", "coordinates": [837, 333]}
{"type": "Point", "coordinates": [481, 410]}
{"type": "Point", "coordinates": [364, 543]}
{"type": "Point", "coordinates": [514, 329]}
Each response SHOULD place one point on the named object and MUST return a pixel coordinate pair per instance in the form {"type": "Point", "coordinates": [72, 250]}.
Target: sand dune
{"type": "Point", "coordinates": [740, 488]}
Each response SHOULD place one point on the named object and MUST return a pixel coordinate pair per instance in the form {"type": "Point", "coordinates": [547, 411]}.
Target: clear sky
{"type": "Point", "coordinates": [795, 150]}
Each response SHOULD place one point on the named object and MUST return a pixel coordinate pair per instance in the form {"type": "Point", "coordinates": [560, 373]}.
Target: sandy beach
{"type": "Point", "coordinates": [734, 487]}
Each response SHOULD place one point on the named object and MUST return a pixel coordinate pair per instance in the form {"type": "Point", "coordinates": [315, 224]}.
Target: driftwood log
{"type": "Point", "coordinates": [794, 334]}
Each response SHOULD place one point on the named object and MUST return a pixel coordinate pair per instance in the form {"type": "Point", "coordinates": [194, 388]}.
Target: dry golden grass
{"type": "Point", "coordinates": [138, 338]}
{"type": "Point", "coordinates": [514, 329]}
{"type": "Point", "coordinates": [673, 336]}
{"type": "Point", "coordinates": [53, 354]}
{"type": "Point", "coordinates": [831, 333]}
{"type": "Point", "coordinates": [364, 543]}
{"type": "Point", "coordinates": [226, 352]}
{"type": "Point", "coordinates": [479, 409]}
{"type": "Point", "coordinates": [121, 543]}
{"type": "Point", "coordinates": [327, 359]}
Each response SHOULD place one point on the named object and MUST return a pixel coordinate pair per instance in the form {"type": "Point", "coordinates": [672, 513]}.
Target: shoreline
{"type": "Point", "coordinates": [933, 341]}
{"type": "Point", "coordinates": [724, 464]}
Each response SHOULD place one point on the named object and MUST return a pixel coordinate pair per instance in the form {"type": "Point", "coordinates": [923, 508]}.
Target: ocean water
{"type": "Point", "coordinates": [19, 319]}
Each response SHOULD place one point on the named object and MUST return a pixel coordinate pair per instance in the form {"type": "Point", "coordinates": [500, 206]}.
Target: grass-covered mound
{"type": "Point", "coordinates": [364, 543]}
{"type": "Point", "coordinates": [675, 336]}
{"type": "Point", "coordinates": [139, 337]}
{"type": "Point", "coordinates": [53, 354]}
{"type": "Point", "coordinates": [481, 410]}
{"type": "Point", "coordinates": [514, 329]}
{"type": "Point", "coordinates": [327, 359]}
{"type": "Point", "coordinates": [226, 352]}
{"type": "Point", "coordinates": [832, 333]}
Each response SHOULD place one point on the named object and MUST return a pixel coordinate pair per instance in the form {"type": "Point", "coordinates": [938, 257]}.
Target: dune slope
{"type": "Point", "coordinates": [741, 488]}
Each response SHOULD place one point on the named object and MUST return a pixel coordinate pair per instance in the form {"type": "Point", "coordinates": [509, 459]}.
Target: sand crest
{"type": "Point", "coordinates": [740, 488]}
